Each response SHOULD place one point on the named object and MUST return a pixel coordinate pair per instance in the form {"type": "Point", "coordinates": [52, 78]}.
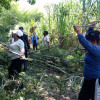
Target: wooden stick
{"type": "Point", "coordinates": [96, 21]}
{"type": "Point", "coordinates": [23, 58]}
{"type": "Point", "coordinates": [3, 43]}
{"type": "Point", "coordinates": [88, 25]}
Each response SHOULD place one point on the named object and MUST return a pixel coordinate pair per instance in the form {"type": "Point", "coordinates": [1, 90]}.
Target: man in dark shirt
{"type": "Point", "coordinates": [27, 46]}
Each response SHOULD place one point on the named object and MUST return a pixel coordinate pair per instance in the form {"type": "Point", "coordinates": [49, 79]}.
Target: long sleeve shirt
{"type": "Point", "coordinates": [92, 59]}
{"type": "Point", "coordinates": [26, 42]}
{"type": "Point", "coordinates": [17, 46]}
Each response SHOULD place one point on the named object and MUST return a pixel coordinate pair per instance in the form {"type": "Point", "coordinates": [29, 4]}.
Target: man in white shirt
{"type": "Point", "coordinates": [45, 40]}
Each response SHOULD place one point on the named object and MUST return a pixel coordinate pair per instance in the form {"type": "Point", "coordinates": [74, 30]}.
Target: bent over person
{"type": "Point", "coordinates": [18, 47]}
{"type": "Point", "coordinates": [91, 63]}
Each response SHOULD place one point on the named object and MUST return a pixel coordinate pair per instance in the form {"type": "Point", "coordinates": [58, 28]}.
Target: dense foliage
{"type": "Point", "coordinates": [12, 17]}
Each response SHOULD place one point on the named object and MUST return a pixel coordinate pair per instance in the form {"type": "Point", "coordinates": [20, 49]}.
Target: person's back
{"type": "Point", "coordinates": [92, 58]}
{"type": "Point", "coordinates": [91, 64]}
{"type": "Point", "coordinates": [27, 46]}
{"type": "Point", "coordinates": [26, 42]}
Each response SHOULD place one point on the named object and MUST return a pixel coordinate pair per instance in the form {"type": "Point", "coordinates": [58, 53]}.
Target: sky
{"type": "Point", "coordinates": [43, 2]}
{"type": "Point", "coordinates": [39, 4]}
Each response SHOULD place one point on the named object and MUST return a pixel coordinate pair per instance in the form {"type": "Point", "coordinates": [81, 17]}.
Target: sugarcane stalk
{"type": "Point", "coordinates": [3, 43]}
{"type": "Point", "coordinates": [53, 66]}
{"type": "Point", "coordinates": [88, 25]}
{"type": "Point", "coordinates": [23, 58]}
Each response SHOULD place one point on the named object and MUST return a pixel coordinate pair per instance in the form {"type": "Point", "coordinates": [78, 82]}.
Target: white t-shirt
{"type": "Point", "coordinates": [17, 46]}
{"type": "Point", "coordinates": [45, 40]}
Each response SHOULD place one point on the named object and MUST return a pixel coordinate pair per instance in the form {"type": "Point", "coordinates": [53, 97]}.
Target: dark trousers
{"type": "Point", "coordinates": [25, 61]}
{"type": "Point", "coordinates": [88, 90]}
{"type": "Point", "coordinates": [15, 67]}
{"type": "Point", "coordinates": [35, 46]}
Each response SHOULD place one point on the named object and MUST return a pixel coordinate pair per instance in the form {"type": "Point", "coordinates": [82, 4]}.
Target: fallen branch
{"type": "Point", "coordinates": [47, 63]}
{"type": "Point", "coordinates": [10, 81]}
{"type": "Point", "coordinates": [68, 52]}
{"type": "Point", "coordinates": [47, 56]}
{"type": "Point", "coordinates": [57, 68]}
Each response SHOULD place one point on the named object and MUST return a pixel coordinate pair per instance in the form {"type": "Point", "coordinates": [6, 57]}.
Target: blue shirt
{"type": "Point", "coordinates": [92, 59]}
{"type": "Point", "coordinates": [34, 38]}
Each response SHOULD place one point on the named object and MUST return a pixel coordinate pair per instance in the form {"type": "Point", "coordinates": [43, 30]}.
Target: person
{"type": "Point", "coordinates": [45, 40]}
{"type": "Point", "coordinates": [34, 41]}
{"type": "Point", "coordinates": [26, 46]}
{"type": "Point", "coordinates": [29, 39]}
{"type": "Point", "coordinates": [18, 47]}
{"type": "Point", "coordinates": [92, 63]}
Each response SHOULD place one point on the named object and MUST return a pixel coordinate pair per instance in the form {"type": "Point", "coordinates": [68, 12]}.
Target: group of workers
{"type": "Point", "coordinates": [45, 40]}
{"type": "Point", "coordinates": [92, 58]}
{"type": "Point", "coordinates": [20, 44]}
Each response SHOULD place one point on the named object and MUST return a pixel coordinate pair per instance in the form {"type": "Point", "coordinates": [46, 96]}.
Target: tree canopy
{"type": "Point", "coordinates": [6, 3]}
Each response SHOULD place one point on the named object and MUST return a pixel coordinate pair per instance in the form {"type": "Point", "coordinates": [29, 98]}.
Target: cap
{"type": "Point", "coordinates": [93, 36]}
{"type": "Point", "coordinates": [18, 32]}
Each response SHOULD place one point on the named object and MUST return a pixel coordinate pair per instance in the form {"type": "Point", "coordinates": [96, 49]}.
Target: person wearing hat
{"type": "Point", "coordinates": [91, 28]}
{"type": "Point", "coordinates": [91, 63]}
{"type": "Point", "coordinates": [18, 47]}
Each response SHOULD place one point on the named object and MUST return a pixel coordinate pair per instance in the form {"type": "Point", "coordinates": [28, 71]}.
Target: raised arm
{"type": "Point", "coordinates": [93, 49]}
